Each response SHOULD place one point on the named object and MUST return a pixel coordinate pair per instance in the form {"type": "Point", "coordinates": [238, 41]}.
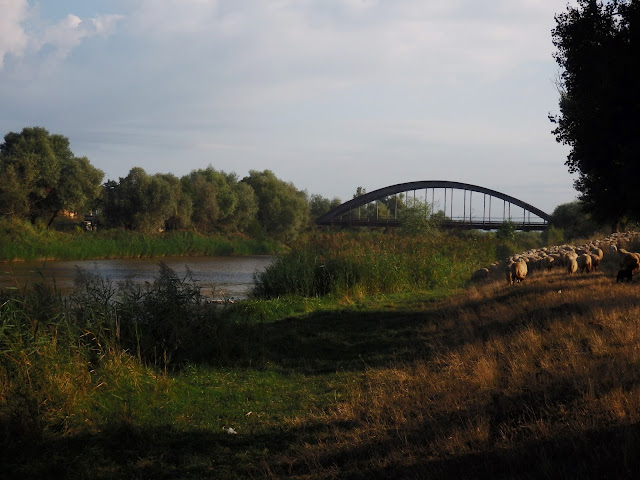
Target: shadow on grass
{"type": "Point", "coordinates": [166, 453]}
{"type": "Point", "coordinates": [606, 453]}
{"type": "Point", "coordinates": [329, 341]}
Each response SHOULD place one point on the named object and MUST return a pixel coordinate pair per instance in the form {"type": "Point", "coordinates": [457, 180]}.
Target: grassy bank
{"type": "Point", "coordinates": [369, 263]}
{"type": "Point", "coordinates": [22, 241]}
{"type": "Point", "coordinates": [534, 380]}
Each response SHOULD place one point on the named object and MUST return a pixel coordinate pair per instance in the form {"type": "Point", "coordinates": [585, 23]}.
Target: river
{"type": "Point", "coordinates": [219, 277]}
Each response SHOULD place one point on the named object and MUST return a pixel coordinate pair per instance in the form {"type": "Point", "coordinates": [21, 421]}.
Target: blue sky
{"type": "Point", "coordinates": [328, 94]}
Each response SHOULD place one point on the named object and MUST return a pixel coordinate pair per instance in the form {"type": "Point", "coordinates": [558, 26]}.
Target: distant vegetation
{"type": "Point", "coordinates": [20, 240]}
{"type": "Point", "coordinates": [43, 181]}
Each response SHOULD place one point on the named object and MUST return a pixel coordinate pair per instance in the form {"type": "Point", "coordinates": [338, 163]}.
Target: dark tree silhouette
{"type": "Point", "coordinates": [598, 47]}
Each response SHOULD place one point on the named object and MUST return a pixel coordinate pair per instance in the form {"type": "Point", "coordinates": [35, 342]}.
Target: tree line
{"type": "Point", "coordinates": [43, 179]}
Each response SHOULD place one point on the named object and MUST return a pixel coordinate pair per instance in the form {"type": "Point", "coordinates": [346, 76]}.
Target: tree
{"type": "Point", "coordinates": [598, 49]}
{"type": "Point", "coordinates": [574, 220]}
{"type": "Point", "coordinates": [319, 205]}
{"type": "Point", "coordinates": [220, 201]}
{"type": "Point", "coordinates": [179, 208]}
{"type": "Point", "coordinates": [42, 177]}
{"type": "Point", "coordinates": [416, 217]}
{"type": "Point", "coordinates": [205, 202]}
{"type": "Point", "coordinates": [283, 210]}
{"type": "Point", "coordinates": [146, 202]}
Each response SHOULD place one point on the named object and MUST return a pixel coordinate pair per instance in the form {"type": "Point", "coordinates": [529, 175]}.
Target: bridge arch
{"type": "Point", "coordinates": [338, 215]}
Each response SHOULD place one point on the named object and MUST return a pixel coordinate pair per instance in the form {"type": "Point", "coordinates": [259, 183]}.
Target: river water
{"type": "Point", "coordinates": [219, 277]}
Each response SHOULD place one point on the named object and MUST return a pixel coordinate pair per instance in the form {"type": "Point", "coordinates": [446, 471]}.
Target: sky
{"type": "Point", "coordinates": [330, 95]}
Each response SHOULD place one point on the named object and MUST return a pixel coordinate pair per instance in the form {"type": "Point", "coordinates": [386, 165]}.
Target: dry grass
{"type": "Point", "coordinates": [535, 379]}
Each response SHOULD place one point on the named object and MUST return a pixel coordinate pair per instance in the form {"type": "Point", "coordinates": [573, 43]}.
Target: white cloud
{"type": "Point", "coordinates": [276, 43]}
{"type": "Point", "coordinates": [45, 43]}
{"type": "Point", "coordinates": [13, 39]}
{"type": "Point", "coordinates": [70, 32]}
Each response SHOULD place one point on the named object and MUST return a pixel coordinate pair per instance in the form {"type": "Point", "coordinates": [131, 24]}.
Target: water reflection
{"type": "Point", "coordinates": [218, 276]}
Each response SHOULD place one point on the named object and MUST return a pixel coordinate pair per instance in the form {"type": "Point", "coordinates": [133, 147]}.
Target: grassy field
{"type": "Point", "coordinates": [535, 380]}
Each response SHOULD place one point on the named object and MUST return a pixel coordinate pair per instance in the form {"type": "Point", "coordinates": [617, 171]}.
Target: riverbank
{"type": "Point", "coordinates": [21, 241]}
{"type": "Point", "coordinates": [536, 380]}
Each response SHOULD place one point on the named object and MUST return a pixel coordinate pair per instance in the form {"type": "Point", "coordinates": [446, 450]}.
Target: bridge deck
{"type": "Point", "coordinates": [464, 224]}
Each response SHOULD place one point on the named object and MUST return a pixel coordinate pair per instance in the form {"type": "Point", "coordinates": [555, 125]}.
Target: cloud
{"type": "Point", "coordinates": [13, 38]}
{"type": "Point", "coordinates": [277, 48]}
{"type": "Point", "coordinates": [24, 34]}
{"type": "Point", "coordinates": [375, 85]}
{"type": "Point", "coordinates": [70, 32]}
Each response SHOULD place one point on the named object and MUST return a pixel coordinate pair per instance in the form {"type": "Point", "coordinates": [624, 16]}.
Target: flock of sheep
{"type": "Point", "coordinates": [582, 258]}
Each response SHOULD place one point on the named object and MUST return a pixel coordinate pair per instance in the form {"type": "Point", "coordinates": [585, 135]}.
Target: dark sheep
{"type": "Point", "coordinates": [625, 274]}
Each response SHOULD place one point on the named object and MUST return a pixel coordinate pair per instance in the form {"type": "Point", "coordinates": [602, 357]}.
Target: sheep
{"type": "Point", "coordinates": [571, 255]}
{"type": "Point", "coordinates": [494, 269]}
{"type": "Point", "coordinates": [584, 263]}
{"type": "Point", "coordinates": [572, 266]}
{"type": "Point", "coordinates": [595, 262]}
{"type": "Point", "coordinates": [597, 252]}
{"type": "Point", "coordinates": [509, 272]}
{"type": "Point", "coordinates": [625, 274]}
{"type": "Point", "coordinates": [518, 271]}
{"type": "Point", "coordinates": [480, 274]}
{"type": "Point", "coordinates": [628, 259]}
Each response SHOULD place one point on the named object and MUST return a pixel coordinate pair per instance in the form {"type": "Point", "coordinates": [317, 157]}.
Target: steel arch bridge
{"type": "Point", "coordinates": [525, 216]}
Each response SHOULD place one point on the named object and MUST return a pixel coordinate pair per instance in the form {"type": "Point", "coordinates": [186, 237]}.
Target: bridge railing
{"type": "Point", "coordinates": [520, 223]}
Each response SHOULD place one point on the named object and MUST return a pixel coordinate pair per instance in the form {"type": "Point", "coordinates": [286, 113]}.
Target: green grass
{"type": "Point", "coordinates": [22, 241]}
{"type": "Point", "coordinates": [374, 263]}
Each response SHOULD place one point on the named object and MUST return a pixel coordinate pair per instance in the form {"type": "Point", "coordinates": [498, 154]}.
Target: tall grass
{"type": "Point", "coordinates": [22, 241]}
{"type": "Point", "coordinates": [372, 263]}
{"type": "Point", "coordinates": [55, 350]}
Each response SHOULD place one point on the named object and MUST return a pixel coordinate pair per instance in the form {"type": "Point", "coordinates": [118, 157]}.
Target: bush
{"type": "Point", "coordinates": [507, 231]}
{"type": "Point", "coordinates": [553, 236]}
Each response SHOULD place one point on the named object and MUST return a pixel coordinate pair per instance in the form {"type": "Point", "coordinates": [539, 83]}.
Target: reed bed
{"type": "Point", "coordinates": [22, 241]}
{"type": "Point", "coordinates": [372, 263]}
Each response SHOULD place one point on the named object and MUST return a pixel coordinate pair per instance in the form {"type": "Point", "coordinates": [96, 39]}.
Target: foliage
{"type": "Point", "coordinates": [598, 50]}
{"type": "Point", "coordinates": [220, 201]}
{"type": "Point", "coordinates": [416, 217]}
{"type": "Point", "coordinates": [371, 263]}
{"type": "Point", "coordinates": [42, 177]}
{"type": "Point", "coordinates": [149, 203]}
{"type": "Point", "coordinates": [283, 210]}
{"type": "Point", "coordinates": [553, 236]}
{"type": "Point", "coordinates": [319, 205]}
{"type": "Point", "coordinates": [507, 231]}
{"type": "Point", "coordinates": [574, 219]}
